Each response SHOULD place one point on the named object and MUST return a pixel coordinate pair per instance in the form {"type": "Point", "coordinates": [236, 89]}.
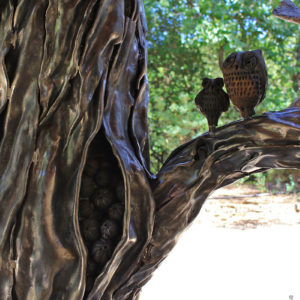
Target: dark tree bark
{"type": "Point", "coordinates": [73, 98]}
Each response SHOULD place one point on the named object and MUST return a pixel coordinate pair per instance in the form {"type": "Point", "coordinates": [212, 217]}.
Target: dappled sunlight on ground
{"type": "Point", "coordinates": [243, 248]}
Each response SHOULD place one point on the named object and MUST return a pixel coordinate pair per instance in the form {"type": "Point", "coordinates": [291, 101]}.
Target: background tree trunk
{"type": "Point", "coordinates": [74, 93]}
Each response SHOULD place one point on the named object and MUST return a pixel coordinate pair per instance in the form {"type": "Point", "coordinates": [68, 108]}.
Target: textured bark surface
{"type": "Point", "coordinates": [73, 89]}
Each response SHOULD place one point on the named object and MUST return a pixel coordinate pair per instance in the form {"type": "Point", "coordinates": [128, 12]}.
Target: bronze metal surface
{"type": "Point", "coordinates": [70, 70]}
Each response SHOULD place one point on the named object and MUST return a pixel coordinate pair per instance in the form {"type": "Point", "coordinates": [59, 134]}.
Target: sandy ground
{"type": "Point", "coordinates": [241, 248]}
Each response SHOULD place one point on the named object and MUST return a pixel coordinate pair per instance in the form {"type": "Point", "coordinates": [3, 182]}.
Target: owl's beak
{"type": "Point", "coordinates": [237, 62]}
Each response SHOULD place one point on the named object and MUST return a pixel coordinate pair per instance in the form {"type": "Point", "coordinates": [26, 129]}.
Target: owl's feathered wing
{"type": "Point", "coordinates": [199, 98]}
{"type": "Point", "coordinates": [225, 100]}
{"type": "Point", "coordinates": [264, 83]}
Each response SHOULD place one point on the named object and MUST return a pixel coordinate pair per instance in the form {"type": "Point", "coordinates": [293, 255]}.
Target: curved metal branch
{"type": "Point", "coordinates": [288, 11]}
{"type": "Point", "coordinates": [211, 161]}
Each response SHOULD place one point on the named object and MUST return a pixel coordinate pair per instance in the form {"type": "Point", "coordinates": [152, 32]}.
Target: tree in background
{"type": "Point", "coordinates": [188, 40]}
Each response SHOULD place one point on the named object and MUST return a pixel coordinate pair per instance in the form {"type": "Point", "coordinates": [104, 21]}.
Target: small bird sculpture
{"type": "Point", "coordinates": [212, 101]}
{"type": "Point", "coordinates": [246, 80]}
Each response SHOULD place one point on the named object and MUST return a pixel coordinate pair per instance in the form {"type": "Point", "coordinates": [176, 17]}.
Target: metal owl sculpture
{"type": "Point", "coordinates": [246, 80]}
{"type": "Point", "coordinates": [212, 101]}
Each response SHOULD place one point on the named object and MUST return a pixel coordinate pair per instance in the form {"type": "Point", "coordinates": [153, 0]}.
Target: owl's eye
{"type": "Point", "coordinates": [219, 82]}
{"type": "Point", "coordinates": [205, 82]}
{"type": "Point", "coordinates": [250, 61]}
{"type": "Point", "coordinates": [229, 61]}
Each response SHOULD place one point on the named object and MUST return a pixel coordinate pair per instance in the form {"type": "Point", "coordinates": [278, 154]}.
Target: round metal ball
{"type": "Point", "coordinates": [102, 251]}
{"type": "Point", "coordinates": [116, 211]}
{"type": "Point", "coordinates": [103, 177]}
{"type": "Point", "coordinates": [109, 229]}
{"type": "Point", "coordinates": [88, 186]}
{"type": "Point", "coordinates": [91, 229]}
{"type": "Point", "coordinates": [103, 198]}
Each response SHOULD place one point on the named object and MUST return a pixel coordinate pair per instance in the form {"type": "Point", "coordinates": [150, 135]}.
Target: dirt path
{"type": "Point", "coordinates": [243, 248]}
{"type": "Point", "coordinates": [245, 207]}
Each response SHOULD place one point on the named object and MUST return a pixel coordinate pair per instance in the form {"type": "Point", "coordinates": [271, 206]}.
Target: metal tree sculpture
{"type": "Point", "coordinates": [74, 97]}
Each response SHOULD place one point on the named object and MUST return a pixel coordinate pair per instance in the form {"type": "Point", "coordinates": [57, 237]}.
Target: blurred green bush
{"type": "Point", "coordinates": [187, 41]}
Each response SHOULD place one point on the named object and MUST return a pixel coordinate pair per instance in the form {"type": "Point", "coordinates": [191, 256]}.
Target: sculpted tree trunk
{"type": "Point", "coordinates": [81, 215]}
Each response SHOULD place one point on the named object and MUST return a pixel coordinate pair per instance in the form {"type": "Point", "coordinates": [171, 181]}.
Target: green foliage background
{"type": "Point", "coordinates": [188, 39]}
